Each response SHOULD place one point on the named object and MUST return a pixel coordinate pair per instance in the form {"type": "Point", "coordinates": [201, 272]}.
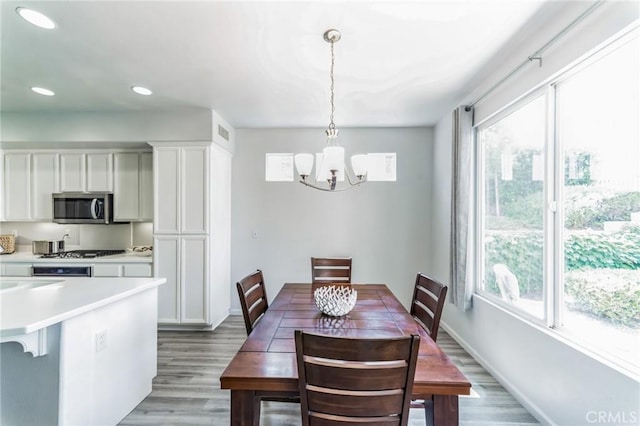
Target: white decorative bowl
{"type": "Point", "coordinates": [335, 300]}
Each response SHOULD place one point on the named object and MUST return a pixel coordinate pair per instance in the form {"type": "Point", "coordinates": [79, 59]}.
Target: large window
{"type": "Point", "coordinates": [559, 205]}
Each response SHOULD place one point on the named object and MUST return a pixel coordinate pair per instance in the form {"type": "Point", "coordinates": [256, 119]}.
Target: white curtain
{"type": "Point", "coordinates": [462, 209]}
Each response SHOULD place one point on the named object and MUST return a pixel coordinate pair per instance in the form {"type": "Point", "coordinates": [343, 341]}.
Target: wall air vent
{"type": "Point", "coordinates": [224, 133]}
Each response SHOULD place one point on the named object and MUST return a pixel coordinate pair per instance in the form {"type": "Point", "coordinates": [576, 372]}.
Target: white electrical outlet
{"type": "Point", "coordinates": [101, 340]}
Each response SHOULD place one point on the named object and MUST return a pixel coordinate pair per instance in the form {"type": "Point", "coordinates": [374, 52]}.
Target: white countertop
{"type": "Point", "coordinates": [28, 257]}
{"type": "Point", "coordinates": [33, 305]}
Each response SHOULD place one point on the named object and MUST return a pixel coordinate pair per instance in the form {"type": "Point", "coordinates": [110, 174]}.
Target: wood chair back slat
{"type": "Point", "coordinates": [331, 270]}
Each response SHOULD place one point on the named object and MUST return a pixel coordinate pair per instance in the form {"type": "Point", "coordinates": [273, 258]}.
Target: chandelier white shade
{"type": "Point", "coordinates": [330, 165]}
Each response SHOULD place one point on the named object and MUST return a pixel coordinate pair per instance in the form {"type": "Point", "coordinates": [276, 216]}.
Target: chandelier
{"type": "Point", "coordinates": [330, 164]}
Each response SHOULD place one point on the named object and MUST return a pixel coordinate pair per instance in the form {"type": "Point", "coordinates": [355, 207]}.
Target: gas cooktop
{"type": "Point", "coordinates": [81, 254]}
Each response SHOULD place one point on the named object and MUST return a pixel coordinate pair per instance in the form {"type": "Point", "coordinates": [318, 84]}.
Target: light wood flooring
{"type": "Point", "coordinates": [187, 388]}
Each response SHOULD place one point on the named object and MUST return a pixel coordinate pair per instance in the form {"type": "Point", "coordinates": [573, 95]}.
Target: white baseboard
{"type": "Point", "coordinates": [504, 381]}
{"type": "Point", "coordinates": [235, 311]}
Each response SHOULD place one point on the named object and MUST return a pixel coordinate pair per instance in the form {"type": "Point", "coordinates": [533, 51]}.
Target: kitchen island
{"type": "Point", "coordinates": [76, 351]}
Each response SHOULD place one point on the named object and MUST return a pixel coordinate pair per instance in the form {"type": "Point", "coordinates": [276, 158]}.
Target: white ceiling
{"type": "Point", "coordinates": [258, 64]}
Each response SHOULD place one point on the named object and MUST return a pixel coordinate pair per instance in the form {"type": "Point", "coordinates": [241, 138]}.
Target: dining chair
{"type": "Point", "coordinates": [331, 270]}
{"type": "Point", "coordinates": [427, 303]}
{"type": "Point", "coordinates": [254, 303]}
{"type": "Point", "coordinates": [426, 308]}
{"type": "Point", "coordinates": [253, 299]}
{"type": "Point", "coordinates": [345, 380]}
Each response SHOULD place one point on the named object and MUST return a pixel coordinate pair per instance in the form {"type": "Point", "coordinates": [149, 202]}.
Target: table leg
{"type": "Point", "coordinates": [445, 410]}
{"type": "Point", "coordinates": [245, 408]}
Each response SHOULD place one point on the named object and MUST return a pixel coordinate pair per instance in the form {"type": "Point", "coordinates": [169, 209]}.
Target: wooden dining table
{"type": "Point", "coordinates": [265, 365]}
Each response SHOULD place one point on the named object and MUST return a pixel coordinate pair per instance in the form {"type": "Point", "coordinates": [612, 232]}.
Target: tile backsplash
{"type": "Point", "coordinates": [114, 236]}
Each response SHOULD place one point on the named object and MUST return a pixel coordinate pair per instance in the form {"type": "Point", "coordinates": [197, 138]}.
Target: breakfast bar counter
{"type": "Point", "coordinates": [76, 350]}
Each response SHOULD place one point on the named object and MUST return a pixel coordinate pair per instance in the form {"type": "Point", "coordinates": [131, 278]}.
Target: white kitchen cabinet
{"type": "Point", "coordinates": [16, 269]}
{"type": "Point", "coordinates": [191, 229]}
{"type": "Point", "coordinates": [16, 188]}
{"type": "Point", "coordinates": [126, 202]}
{"type": "Point", "coordinates": [183, 261]}
{"type": "Point", "coordinates": [167, 265]}
{"type": "Point", "coordinates": [107, 270]}
{"type": "Point", "coordinates": [133, 186]}
{"type": "Point", "coordinates": [80, 172]}
{"type": "Point", "coordinates": [99, 172]}
{"type": "Point", "coordinates": [122, 270]}
{"type": "Point", "coordinates": [44, 182]}
{"type": "Point", "coordinates": [194, 191]}
{"type": "Point", "coordinates": [73, 177]}
{"type": "Point", "coordinates": [146, 186]}
{"type": "Point", "coordinates": [194, 276]}
{"type": "Point", "coordinates": [181, 195]}
{"type": "Point", "coordinates": [137, 270]}
{"type": "Point", "coordinates": [29, 180]}
{"type": "Point", "coordinates": [165, 190]}
{"type": "Point", "coordinates": [2, 191]}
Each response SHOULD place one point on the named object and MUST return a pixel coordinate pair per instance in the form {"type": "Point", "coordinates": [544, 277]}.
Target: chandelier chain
{"type": "Point", "coordinates": [332, 125]}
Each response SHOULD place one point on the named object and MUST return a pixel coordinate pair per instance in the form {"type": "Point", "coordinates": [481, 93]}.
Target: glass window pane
{"type": "Point", "coordinates": [279, 167]}
{"type": "Point", "coordinates": [597, 116]}
{"type": "Point", "coordinates": [512, 169]}
{"type": "Point", "coordinates": [382, 167]}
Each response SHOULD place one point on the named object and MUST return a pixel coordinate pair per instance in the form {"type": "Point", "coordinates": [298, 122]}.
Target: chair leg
{"type": "Point", "coordinates": [428, 411]}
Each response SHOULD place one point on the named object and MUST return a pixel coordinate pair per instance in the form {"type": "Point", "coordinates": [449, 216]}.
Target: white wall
{"type": "Point", "coordinates": [555, 380]}
{"type": "Point", "coordinates": [92, 129]}
{"type": "Point", "coordinates": [381, 224]}
{"type": "Point", "coordinates": [607, 19]}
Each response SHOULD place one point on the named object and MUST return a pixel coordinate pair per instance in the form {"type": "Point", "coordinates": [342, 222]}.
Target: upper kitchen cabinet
{"type": "Point", "coordinates": [133, 186]}
{"type": "Point", "coordinates": [45, 176]}
{"type": "Point", "coordinates": [181, 196]}
{"type": "Point", "coordinates": [146, 186]}
{"type": "Point", "coordinates": [16, 186]}
{"type": "Point", "coordinates": [29, 178]}
{"type": "Point", "coordinates": [81, 172]}
{"type": "Point", "coordinates": [27, 184]}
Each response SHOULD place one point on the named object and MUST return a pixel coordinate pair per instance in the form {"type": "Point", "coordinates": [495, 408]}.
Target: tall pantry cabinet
{"type": "Point", "coordinates": [191, 227]}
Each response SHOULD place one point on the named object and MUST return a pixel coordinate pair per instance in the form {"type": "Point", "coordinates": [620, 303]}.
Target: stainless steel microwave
{"type": "Point", "coordinates": [83, 207]}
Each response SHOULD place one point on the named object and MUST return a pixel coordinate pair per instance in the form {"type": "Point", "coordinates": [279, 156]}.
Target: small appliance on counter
{"type": "Point", "coordinates": [47, 247]}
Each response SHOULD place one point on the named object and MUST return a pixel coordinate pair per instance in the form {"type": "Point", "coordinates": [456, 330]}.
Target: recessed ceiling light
{"type": "Point", "coordinates": [43, 91]}
{"type": "Point", "coordinates": [36, 18]}
{"type": "Point", "coordinates": [141, 90]}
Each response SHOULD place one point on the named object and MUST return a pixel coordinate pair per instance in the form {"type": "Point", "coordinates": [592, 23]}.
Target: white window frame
{"type": "Point", "coordinates": [546, 319]}
{"type": "Point", "coordinates": [279, 175]}
{"type": "Point", "coordinates": [553, 256]}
